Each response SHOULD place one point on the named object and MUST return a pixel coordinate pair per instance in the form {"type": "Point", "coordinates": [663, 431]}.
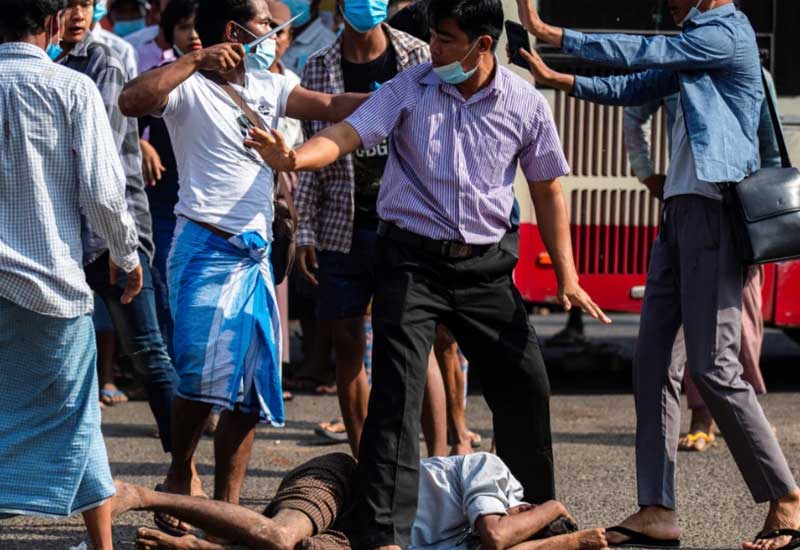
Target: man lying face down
{"type": "Point", "coordinates": [465, 503]}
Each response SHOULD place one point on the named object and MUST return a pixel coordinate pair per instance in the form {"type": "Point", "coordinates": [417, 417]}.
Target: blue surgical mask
{"type": "Point", "coordinates": [53, 50]}
{"type": "Point", "coordinates": [125, 28]}
{"type": "Point", "coordinates": [262, 58]}
{"type": "Point", "coordinates": [300, 7]}
{"type": "Point", "coordinates": [454, 72]}
{"type": "Point", "coordinates": [694, 12]}
{"type": "Point", "coordinates": [365, 15]}
{"type": "Point", "coordinates": [100, 11]}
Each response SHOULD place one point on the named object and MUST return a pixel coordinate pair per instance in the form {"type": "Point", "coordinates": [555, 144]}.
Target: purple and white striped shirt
{"type": "Point", "coordinates": [452, 163]}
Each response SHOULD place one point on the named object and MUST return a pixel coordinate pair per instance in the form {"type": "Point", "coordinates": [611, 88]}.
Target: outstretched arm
{"type": "Point", "coordinates": [304, 104]}
{"type": "Point", "coordinates": [318, 152]}
{"type": "Point", "coordinates": [627, 90]}
{"type": "Point", "coordinates": [693, 49]}
{"type": "Point", "coordinates": [148, 94]}
{"type": "Point", "coordinates": [498, 532]}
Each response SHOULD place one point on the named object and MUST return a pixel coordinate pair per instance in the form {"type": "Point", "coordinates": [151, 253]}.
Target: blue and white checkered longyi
{"type": "Point", "coordinates": [53, 460]}
{"type": "Point", "coordinates": [227, 336]}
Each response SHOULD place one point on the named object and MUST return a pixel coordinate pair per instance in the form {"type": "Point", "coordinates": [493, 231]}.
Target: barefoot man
{"type": "Point", "coordinates": [695, 272]}
{"type": "Point", "coordinates": [466, 502]}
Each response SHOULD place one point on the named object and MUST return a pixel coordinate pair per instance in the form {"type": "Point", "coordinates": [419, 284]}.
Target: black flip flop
{"type": "Point", "coordinates": [160, 519]}
{"type": "Point", "coordinates": [640, 540]}
{"type": "Point", "coordinates": [794, 533]}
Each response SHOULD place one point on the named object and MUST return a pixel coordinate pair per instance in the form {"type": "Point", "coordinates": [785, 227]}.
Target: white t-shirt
{"type": "Point", "coordinates": [223, 183]}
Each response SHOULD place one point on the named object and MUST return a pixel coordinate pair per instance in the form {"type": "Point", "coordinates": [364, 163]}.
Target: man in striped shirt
{"type": "Point", "coordinates": [458, 128]}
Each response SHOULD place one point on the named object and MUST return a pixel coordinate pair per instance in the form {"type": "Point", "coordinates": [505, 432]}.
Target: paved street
{"type": "Point", "coordinates": [593, 430]}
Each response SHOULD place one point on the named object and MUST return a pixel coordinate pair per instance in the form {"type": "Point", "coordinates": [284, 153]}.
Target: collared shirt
{"type": "Point", "coordinates": [96, 61]}
{"type": "Point", "coordinates": [452, 162]}
{"type": "Point", "coordinates": [57, 159]}
{"type": "Point", "coordinates": [454, 492]}
{"type": "Point", "coordinates": [314, 38]}
{"type": "Point", "coordinates": [636, 132]}
{"type": "Point", "coordinates": [120, 47]}
{"type": "Point", "coordinates": [324, 199]}
{"type": "Point", "coordinates": [713, 63]}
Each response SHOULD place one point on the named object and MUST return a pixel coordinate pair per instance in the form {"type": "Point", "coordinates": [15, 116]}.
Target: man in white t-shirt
{"type": "Point", "coordinates": [227, 336]}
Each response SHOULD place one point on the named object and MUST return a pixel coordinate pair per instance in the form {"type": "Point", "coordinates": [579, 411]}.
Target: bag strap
{"type": "Point", "coordinates": [255, 120]}
{"type": "Point", "coordinates": [776, 123]}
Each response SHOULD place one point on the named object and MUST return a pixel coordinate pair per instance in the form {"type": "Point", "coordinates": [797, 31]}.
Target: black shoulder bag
{"type": "Point", "coordinates": [284, 224]}
{"type": "Point", "coordinates": [765, 207]}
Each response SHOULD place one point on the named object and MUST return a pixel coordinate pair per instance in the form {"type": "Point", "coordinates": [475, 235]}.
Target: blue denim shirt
{"type": "Point", "coordinates": [713, 63]}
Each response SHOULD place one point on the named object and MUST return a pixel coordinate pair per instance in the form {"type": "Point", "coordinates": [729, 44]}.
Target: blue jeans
{"type": "Point", "coordinates": [140, 339]}
{"type": "Point", "coordinates": [163, 231]}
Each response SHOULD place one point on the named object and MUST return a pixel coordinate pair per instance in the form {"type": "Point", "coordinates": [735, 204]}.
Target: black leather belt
{"type": "Point", "coordinates": [445, 249]}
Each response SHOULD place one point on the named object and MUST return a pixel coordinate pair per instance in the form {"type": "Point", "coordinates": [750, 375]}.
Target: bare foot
{"type": "Point", "coordinates": [653, 521]}
{"type": "Point", "coordinates": [150, 539]}
{"type": "Point", "coordinates": [111, 395]}
{"type": "Point", "coordinates": [128, 497]}
{"type": "Point", "coordinates": [783, 514]}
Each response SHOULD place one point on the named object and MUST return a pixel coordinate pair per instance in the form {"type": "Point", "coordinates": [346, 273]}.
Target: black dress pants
{"type": "Point", "coordinates": [477, 300]}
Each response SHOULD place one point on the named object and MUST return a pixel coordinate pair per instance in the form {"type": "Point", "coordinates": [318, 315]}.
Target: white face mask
{"type": "Point", "coordinates": [692, 13]}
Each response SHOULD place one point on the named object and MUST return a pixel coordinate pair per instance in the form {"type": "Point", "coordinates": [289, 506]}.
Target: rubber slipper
{"type": "Point", "coordinates": [640, 540]}
{"type": "Point", "coordinates": [330, 435]}
{"type": "Point", "coordinates": [793, 544]}
{"type": "Point", "coordinates": [108, 397]}
{"type": "Point", "coordinates": [692, 438]}
{"type": "Point", "coordinates": [162, 522]}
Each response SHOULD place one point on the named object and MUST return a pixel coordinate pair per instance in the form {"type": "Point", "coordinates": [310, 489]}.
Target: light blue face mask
{"type": "Point", "coordinates": [53, 50]}
{"type": "Point", "coordinates": [694, 12]}
{"type": "Point", "coordinates": [260, 57]}
{"type": "Point", "coordinates": [100, 11]}
{"type": "Point", "coordinates": [302, 8]}
{"type": "Point", "coordinates": [125, 28]}
{"type": "Point", "coordinates": [365, 15]}
{"type": "Point", "coordinates": [454, 72]}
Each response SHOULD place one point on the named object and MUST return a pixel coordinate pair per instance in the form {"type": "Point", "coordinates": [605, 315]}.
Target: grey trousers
{"type": "Point", "coordinates": [695, 278]}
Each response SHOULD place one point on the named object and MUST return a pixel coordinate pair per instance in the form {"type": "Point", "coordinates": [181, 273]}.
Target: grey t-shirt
{"type": "Point", "coordinates": [682, 175]}
{"type": "Point", "coordinates": [454, 492]}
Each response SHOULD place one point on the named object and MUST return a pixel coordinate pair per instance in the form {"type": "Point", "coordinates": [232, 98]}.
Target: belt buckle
{"type": "Point", "coordinates": [459, 250]}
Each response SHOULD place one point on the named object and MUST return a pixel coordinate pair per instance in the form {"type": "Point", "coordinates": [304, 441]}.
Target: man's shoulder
{"type": "Point", "coordinates": [102, 58]}
{"type": "Point", "coordinates": [519, 87]}
{"type": "Point", "coordinates": [408, 43]}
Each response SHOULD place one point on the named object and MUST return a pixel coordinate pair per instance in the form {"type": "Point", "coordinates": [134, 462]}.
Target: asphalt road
{"type": "Point", "coordinates": [593, 428]}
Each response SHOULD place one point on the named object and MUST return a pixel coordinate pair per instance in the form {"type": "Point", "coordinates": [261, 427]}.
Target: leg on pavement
{"type": "Point", "coordinates": [657, 394]}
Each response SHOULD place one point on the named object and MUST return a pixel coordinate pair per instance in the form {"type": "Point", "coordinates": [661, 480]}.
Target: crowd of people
{"type": "Point", "coordinates": [161, 161]}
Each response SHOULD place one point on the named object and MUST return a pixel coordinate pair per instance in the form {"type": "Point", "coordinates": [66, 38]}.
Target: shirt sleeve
{"type": "Point", "coordinates": [101, 182]}
{"type": "Point", "coordinates": [627, 90]}
{"type": "Point", "coordinates": [379, 115]}
{"type": "Point", "coordinates": [286, 87]}
{"type": "Point", "coordinates": [487, 486]}
{"type": "Point", "coordinates": [110, 82]}
{"type": "Point", "coordinates": [635, 133]}
{"type": "Point", "coordinates": [706, 47]}
{"type": "Point", "coordinates": [176, 101]}
{"type": "Point", "coordinates": [542, 158]}
{"type": "Point", "coordinates": [307, 201]}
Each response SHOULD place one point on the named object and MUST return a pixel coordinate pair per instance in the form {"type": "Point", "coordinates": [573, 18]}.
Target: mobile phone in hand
{"type": "Point", "coordinates": [517, 39]}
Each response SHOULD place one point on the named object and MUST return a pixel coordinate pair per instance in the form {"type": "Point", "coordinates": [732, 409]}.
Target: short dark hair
{"type": "Point", "coordinates": [25, 17]}
{"type": "Point", "coordinates": [213, 16]}
{"type": "Point", "coordinates": [174, 13]}
{"type": "Point", "coordinates": [475, 17]}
